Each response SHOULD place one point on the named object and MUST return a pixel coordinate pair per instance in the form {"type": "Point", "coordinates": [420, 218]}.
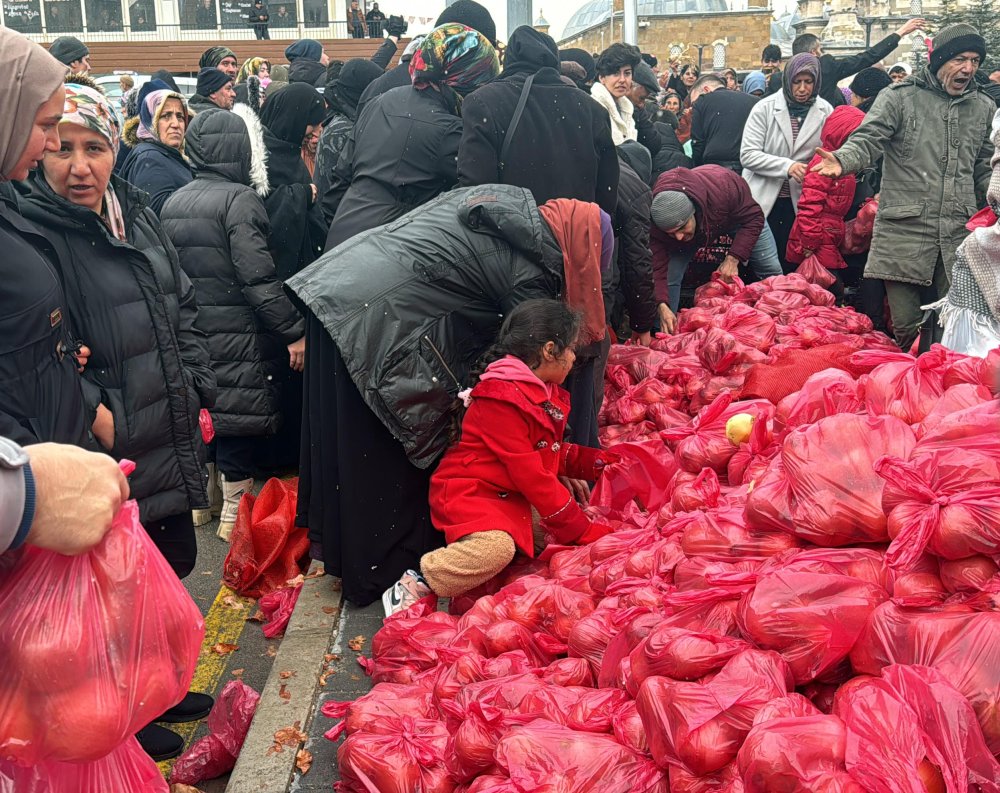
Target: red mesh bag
{"type": "Point", "coordinates": [958, 642]}
{"type": "Point", "coordinates": [789, 372]}
{"type": "Point", "coordinates": [911, 731]}
{"type": "Point", "coordinates": [701, 727]}
{"type": "Point", "coordinates": [266, 548]}
{"type": "Point", "coordinates": [228, 725]}
{"type": "Point", "coordinates": [858, 230]}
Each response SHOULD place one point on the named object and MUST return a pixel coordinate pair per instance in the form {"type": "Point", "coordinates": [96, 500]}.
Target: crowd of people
{"type": "Point", "coordinates": [338, 277]}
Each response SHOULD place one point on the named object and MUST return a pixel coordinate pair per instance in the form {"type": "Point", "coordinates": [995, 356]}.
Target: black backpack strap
{"type": "Point", "coordinates": [514, 121]}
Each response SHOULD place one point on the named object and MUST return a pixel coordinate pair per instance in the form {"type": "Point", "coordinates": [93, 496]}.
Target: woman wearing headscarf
{"type": "Point", "coordinates": [342, 95]}
{"type": "Point", "coordinates": [755, 83]}
{"type": "Point", "coordinates": [40, 394]}
{"type": "Point", "coordinates": [155, 137]}
{"type": "Point", "coordinates": [291, 118]}
{"type": "Point", "coordinates": [404, 149]}
{"type": "Point", "coordinates": [396, 319]}
{"type": "Point", "coordinates": [779, 139]}
{"type": "Point", "coordinates": [220, 228]}
{"type": "Point", "coordinates": [251, 81]}
{"type": "Point", "coordinates": [148, 374]}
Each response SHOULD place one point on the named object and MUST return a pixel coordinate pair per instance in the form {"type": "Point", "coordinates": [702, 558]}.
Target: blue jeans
{"type": "Point", "coordinates": [763, 260]}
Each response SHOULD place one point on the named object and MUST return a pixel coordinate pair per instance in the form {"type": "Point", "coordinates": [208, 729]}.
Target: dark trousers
{"type": "Point", "coordinates": [234, 457]}
{"type": "Point", "coordinates": [358, 30]}
{"type": "Point", "coordinates": [260, 31]}
{"type": "Point", "coordinates": [174, 536]}
{"type": "Point", "coordinates": [780, 220]}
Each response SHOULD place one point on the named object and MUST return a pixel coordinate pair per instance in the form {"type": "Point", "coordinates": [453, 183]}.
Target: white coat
{"type": "Point", "coordinates": [768, 152]}
{"type": "Point", "coordinates": [620, 110]}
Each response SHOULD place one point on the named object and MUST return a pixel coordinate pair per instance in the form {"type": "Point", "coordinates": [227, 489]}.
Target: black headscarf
{"type": "Point", "coordinates": [287, 113]}
{"type": "Point", "coordinates": [584, 58]}
{"type": "Point", "coordinates": [344, 93]}
{"type": "Point", "coordinates": [528, 50]}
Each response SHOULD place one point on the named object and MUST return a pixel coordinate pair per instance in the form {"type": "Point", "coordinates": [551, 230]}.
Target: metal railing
{"type": "Point", "coordinates": [337, 29]}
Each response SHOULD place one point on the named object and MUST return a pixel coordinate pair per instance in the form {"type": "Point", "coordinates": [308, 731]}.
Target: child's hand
{"type": "Point", "coordinates": [578, 488]}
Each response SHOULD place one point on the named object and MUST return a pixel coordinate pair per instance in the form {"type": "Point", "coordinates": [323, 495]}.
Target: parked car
{"type": "Point", "coordinates": [111, 86]}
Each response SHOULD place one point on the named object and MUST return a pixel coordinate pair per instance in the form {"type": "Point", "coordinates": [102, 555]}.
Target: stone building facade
{"type": "Point", "coordinates": [678, 29]}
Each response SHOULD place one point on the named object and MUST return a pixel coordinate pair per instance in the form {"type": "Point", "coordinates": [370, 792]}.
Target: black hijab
{"type": "Point", "coordinates": [344, 93]}
{"type": "Point", "coordinates": [288, 112]}
{"type": "Point", "coordinates": [528, 50]}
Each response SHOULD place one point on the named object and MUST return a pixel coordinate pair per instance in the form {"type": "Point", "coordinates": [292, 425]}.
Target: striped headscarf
{"type": "Point", "coordinates": [89, 108]}
{"type": "Point", "coordinates": [456, 56]}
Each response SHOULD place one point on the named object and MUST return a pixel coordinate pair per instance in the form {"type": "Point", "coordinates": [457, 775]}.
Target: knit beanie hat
{"type": "Point", "coordinates": [68, 49]}
{"type": "Point", "coordinates": [868, 82]}
{"type": "Point", "coordinates": [471, 14]}
{"type": "Point", "coordinates": [671, 209]}
{"type": "Point", "coordinates": [304, 49]}
{"type": "Point", "coordinates": [954, 40]}
{"type": "Point", "coordinates": [644, 76]}
{"type": "Point", "coordinates": [213, 56]}
{"type": "Point", "coordinates": [211, 80]}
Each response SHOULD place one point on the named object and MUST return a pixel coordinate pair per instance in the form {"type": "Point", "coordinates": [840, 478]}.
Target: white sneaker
{"type": "Point", "coordinates": [232, 492]}
{"type": "Point", "coordinates": [410, 588]}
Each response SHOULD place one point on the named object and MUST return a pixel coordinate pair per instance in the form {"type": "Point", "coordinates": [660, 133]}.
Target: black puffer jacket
{"type": "Point", "coordinates": [135, 308]}
{"type": "Point", "coordinates": [634, 259]}
{"type": "Point", "coordinates": [306, 71]}
{"type": "Point", "coordinates": [671, 154]}
{"type": "Point", "coordinates": [413, 304]}
{"type": "Point", "coordinates": [407, 154]}
{"type": "Point", "coordinates": [219, 226]}
{"type": "Point", "coordinates": [40, 396]}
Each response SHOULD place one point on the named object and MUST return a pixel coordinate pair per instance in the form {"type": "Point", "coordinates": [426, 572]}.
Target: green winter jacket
{"type": "Point", "coordinates": [936, 168]}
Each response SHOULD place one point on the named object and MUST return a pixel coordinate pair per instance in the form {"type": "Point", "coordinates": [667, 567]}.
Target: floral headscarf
{"type": "Point", "coordinates": [454, 55]}
{"type": "Point", "coordinates": [89, 108]}
{"type": "Point", "coordinates": [250, 66]}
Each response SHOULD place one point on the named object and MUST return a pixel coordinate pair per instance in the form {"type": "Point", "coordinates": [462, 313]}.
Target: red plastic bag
{"type": "Point", "coordinates": [703, 444]}
{"type": "Point", "coordinates": [749, 326]}
{"type": "Point", "coordinates": [955, 398]}
{"type": "Point", "coordinates": [911, 731]}
{"type": "Point", "coordinates": [958, 642]}
{"type": "Point", "coordinates": [125, 768]}
{"type": "Point", "coordinates": [396, 755]}
{"type": "Point", "coordinates": [904, 386]}
{"type": "Point", "coordinates": [701, 727]}
{"type": "Point", "coordinates": [228, 725]}
{"type": "Point", "coordinates": [812, 620]}
{"type": "Point", "coordinates": [797, 754]}
{"type": "Point", "coordinates": [824, 394]}
{"type": "Point", "coordinates": [207, 427]}
{"type": "Point", "coordinates": [267, 548]}
{"type": "Point", "coordinates": [972, 429]}
{"type": "Point", "coordinates": [277, 608]}
{"type": "Point", "coordinates": [642, 475]}
{"type": "Point", "coordinates": [543, 756]}
{"type": "Point", "coordinates": [695, 491]}
{"type": "Point", "coordinates": [815, 273]}
{"type": "Point", "coordinates": [858, 230]}
{"type": "Point", "coordinates": [967, 575]}
{"type": "Point", "coordinates": [384, 700]}
{"type": "Point", "coordinates": [948, 503]}
{"type": "Point", "coordinates": [408, 641]}
{"type": "Point", "coordinates": [823, 487]}
{"type": "Point", "coordinates": [95, 646]}
{"type": "Point", "coordinates": [551, 607]}
{"type": "Point", "coordinates": [723, 535]}
{"type": "Point", "coordinates": [717, 287]}
{"type": "Point", "coordinates": [680, 654]}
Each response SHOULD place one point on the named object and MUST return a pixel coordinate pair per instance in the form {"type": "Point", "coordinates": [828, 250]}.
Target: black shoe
{"type": "Point", "coordinates": [191, 708]}
{"type": "Point", "coordinates": [159, 742]}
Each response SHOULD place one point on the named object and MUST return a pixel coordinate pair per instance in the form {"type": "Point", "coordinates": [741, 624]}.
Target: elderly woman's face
{"type": "Point", "coordinates": [619, 83]}
{"type": "Point", "coordinates": [673, 104]}
{"type": "Point", "coordinates": [81, 169]}
{"type": "Point", "coordinates": [172, 124]}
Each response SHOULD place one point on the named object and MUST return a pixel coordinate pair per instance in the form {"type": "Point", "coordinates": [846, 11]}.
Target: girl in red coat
{"type": "Point", "coordinates": [508, 461]}
{"type": "Point", "coordinates": [819, 222]}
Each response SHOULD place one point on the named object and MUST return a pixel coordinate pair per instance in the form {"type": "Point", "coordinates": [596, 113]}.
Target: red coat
{"type": "Point", "coordinates": [508, 461]}
{"type": "Point", "coordinates": [819, 219]}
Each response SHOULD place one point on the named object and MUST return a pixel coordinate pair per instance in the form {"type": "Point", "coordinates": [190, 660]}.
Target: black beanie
{"type": "Point", "coordinates": [954, 40]}
{"type": "Point", "coordinates": [211, 80]}
{"type": "Point", "coordinates": [67, 49]}
{"type": "Point", "coordinates": [471, 14]}
{"type": "Point", "coordinates": [584, 58]}
{"type": "Point", "coordinates": [868, 82]}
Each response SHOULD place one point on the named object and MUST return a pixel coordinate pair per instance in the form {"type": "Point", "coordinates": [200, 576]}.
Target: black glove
{"type": "Point", "coordinates": [396, 26]}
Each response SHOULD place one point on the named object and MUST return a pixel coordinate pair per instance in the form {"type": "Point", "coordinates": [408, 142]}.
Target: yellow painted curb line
{"type": "Point", "coordinates": [223, 623]}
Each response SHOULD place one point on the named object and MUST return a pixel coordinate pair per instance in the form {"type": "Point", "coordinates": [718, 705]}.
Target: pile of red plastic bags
{"type": "Point", "coordinates": [801, 592]}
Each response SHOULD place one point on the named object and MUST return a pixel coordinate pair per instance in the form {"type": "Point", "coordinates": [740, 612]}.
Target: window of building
{"type": "Point", "coordinates": [24, 16]}
{"type": "Point", "coordinates": [718, 55]}
{"type": "Point", "coordinates": [104, 16]}
{"type": "Point", "coordinates": [199, 14]}
{"type": "Point", "coordinates": [316, 13]}
{"type": "Point", "coordinates": [63, 16]}
{"type": "Point", "coordinates": [142, 15]}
